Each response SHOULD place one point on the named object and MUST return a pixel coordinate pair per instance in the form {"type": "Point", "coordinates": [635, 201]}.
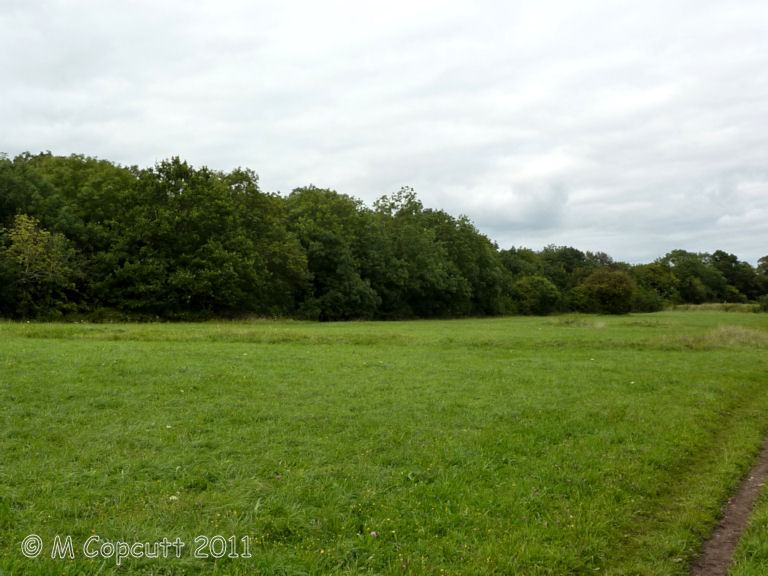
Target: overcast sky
{"type": "Point", "coordinates": [629, 127]}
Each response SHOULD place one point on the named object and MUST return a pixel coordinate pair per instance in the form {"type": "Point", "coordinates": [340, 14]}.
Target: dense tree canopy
{"type": "Point", "coordinates": [82, 237]}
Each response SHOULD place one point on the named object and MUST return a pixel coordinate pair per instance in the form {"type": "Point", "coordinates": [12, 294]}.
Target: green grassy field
{"type": "Point", "coordinates": [560, 445]}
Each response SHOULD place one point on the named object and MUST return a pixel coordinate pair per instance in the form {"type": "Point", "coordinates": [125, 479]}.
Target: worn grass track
{"type": "Point", "coordinates": [558, 445]}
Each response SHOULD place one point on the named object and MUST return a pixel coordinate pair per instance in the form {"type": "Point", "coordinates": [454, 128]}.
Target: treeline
{"type": "Point", "coordinates": [82, 237]}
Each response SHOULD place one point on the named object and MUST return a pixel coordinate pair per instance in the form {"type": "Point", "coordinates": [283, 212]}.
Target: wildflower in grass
{"type": "Point", "coordinates": [373, 533]}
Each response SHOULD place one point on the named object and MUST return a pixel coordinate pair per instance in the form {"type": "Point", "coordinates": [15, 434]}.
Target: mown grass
{"type": "Point", "coordinates": [562, 445]}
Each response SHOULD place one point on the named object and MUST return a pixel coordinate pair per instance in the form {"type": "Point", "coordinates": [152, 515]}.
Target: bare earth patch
{"type": "Point", "coordinates": [718, 551]}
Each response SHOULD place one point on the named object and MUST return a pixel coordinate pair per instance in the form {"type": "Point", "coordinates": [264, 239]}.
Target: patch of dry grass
{"type": "Point", "coordinates": [722, 337]}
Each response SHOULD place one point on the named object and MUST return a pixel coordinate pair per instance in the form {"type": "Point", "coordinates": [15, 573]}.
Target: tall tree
{"type": "Point", "coordinates": [42, 267]}
{"type": "Point", "coordinates": [477, 261]}
{"type": "Point", "coordinates": [421, 279]}
{"type": "Point", "coordinates": [329, 227]}
{"type": "Point", "coordinates": [741, 277]}
{"type": "Point", "coordinates": [697, 281]}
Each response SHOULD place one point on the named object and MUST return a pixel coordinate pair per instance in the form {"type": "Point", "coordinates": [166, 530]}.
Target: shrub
{"type": "Point", "coordinates": [609, 291]}
{"type": "Point", "coordinates": [535, 295]}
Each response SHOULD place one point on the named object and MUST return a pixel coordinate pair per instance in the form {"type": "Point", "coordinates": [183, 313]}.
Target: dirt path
{"type": "Point", "coordinates": [718, 551]}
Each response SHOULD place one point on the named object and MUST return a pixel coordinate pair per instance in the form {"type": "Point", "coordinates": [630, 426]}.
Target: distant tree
{"type": "Point", "coordinates": [283, 275]}
{"type": "Point", "coordinates": [741, 277]}
{"type": "Point", "coordinates": [535, 295]}
{"type": "Point", "coordinates": [762, 277]}
{"type": "Point", "coordinates": [197, 242]}
{"type": "Point", "coordinates": [762, 266]}
{"type": "Point", "coordinates": [183, 242]}
{"type": "Point", "coordinates": [646, 300]}
{"type": "Point", "coordinates": [8, 183]}
{"type": "Point", "coordinates": [599, 260]}
{"type": "Point", "coordinates": [697, 280]}
{"type": "Point", "coordinates": [657, 277]}
{"type": "Point", "coordinates": [421, 279]}
{"type": "Point", "coordinates": [609, 291]}
{"type": "Point", "coordinates": [42, 267]}
{"type": "Point", "coordinates": [483, 279]}
{"type": "Point", "coordinates": [329, 227]}
{"type": "Point", "coordinates": [520, 262]}
{"type": "Point", "coordinates": [564, 266]}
